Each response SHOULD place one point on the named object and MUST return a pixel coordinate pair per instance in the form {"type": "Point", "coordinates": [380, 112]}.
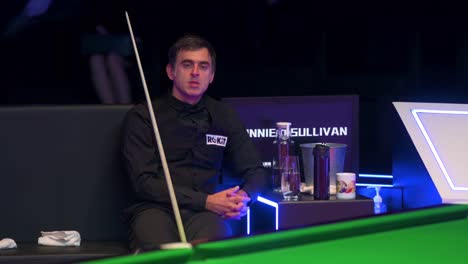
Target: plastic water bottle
{"type": "Point", "coordinates": [283, 147]}
{"type": "Point", "coordinates": [379, 206]}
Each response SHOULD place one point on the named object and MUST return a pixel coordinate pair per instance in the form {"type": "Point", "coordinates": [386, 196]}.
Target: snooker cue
{"type": "Point", "coordinates": [162, 155]}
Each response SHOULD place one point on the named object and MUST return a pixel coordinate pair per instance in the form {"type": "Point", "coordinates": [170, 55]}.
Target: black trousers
{"type": "Point", "coordinates": [154, 226]}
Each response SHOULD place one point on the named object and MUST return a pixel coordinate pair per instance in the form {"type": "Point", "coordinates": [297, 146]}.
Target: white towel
{"type": "Point", "coordinates": [60, 238]}
{"type": "Point", "coordinates": [7, 243]}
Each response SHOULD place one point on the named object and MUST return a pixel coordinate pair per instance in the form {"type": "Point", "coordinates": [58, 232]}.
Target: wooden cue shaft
{"type": "Point", "coordinates": [162, 155]}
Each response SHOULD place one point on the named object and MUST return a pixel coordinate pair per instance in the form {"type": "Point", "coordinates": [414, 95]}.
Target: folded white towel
{"type": "Point", "coordinates": [59, 238]}
{"type": "Point", "coordinates": [7, 243]}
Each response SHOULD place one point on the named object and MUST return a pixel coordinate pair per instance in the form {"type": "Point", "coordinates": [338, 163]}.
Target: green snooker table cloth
{"type": "Point", "coordinates": [430, 235]}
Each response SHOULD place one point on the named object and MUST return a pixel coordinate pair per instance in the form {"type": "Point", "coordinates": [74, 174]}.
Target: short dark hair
{"type": "Point", "coordinates": [191, 42]}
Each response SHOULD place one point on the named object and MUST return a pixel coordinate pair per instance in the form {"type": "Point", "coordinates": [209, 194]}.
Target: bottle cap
{"type": "Point", "coordinates": [283, 129]}
{"type": "Point", "coordinates": [283, 124]}
{"type": "Point", "coordinates": [321, 150]}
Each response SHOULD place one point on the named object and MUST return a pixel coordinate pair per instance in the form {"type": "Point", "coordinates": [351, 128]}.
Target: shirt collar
{"type": "Point", "coordinates": [183, 107]}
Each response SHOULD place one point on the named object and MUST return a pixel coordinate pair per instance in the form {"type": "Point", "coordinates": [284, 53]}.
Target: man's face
{"type": "Point", "coordinates": [191, 74]}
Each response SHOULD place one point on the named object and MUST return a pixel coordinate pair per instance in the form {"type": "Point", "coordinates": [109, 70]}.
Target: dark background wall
{"type": "Point", "coordinates": [383, 52]}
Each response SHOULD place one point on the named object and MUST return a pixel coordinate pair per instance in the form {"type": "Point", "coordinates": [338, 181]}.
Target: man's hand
{"type": "Point", "coordinates": [243, 210]}
{"type": "Point", "coordinates": [230, 203]}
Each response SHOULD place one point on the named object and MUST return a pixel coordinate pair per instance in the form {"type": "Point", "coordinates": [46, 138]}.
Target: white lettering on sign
{"type": "Point", "coordinates": [300, 132]}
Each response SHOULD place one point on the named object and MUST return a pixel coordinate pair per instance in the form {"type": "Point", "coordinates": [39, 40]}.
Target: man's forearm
{"type": "Point", "coordinates": [155, 190]}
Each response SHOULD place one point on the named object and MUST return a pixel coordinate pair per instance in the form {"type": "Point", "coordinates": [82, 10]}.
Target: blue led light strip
{"type": "Point", "coordinates": [431, 145]}
{"type": "Point", "coordinates": [374, 185]}
{"type": "Point", "coordinates": [377, 176]}
{"type": "Point", "coordinates": [271, 203]}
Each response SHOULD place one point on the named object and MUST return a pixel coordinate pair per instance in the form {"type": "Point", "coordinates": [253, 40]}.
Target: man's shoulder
{"type": "Point", "coordinates": [224, 114]}
{"type": "Point", "coordinates": [218, 104]}
{"type": "Point", "coordinates": [142, 107]}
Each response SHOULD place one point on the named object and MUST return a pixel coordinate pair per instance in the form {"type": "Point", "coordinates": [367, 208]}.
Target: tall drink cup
{"type": "Point", "coordinates": [321, 172]}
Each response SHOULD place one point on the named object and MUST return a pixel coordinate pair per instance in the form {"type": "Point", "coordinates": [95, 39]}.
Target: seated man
{"type": "Point", "coordinates": [200, 135]}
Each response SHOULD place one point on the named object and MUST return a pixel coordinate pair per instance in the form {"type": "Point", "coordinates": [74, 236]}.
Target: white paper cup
{"type": "Point", "coordinates": [345, 185]}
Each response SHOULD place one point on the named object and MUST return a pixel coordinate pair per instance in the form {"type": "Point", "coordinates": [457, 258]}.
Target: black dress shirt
{"type": "Point", "coordinates": [199, 141]}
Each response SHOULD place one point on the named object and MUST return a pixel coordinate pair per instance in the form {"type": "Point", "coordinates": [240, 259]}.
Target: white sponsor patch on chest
{"type": "Point", "coordinates": [216, 140]}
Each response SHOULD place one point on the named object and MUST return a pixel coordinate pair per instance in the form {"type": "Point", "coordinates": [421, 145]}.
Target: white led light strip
{"type": "Point", "coordinates": [271, 203]}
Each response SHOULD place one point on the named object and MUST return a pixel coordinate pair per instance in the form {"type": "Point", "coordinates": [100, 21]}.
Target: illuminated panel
{"type": "Point", "coordinates": [431, 145]}
{"type": "Point", "coordinates": [439, 133]}
{"type": "Point", "coordinates": [273, 204]}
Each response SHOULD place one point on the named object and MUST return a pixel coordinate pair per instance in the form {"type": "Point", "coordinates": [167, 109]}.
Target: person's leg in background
{"type": "Point", "coordinates": [203, 226]}
{"type": "Point", "coordinates": [151, 228]}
